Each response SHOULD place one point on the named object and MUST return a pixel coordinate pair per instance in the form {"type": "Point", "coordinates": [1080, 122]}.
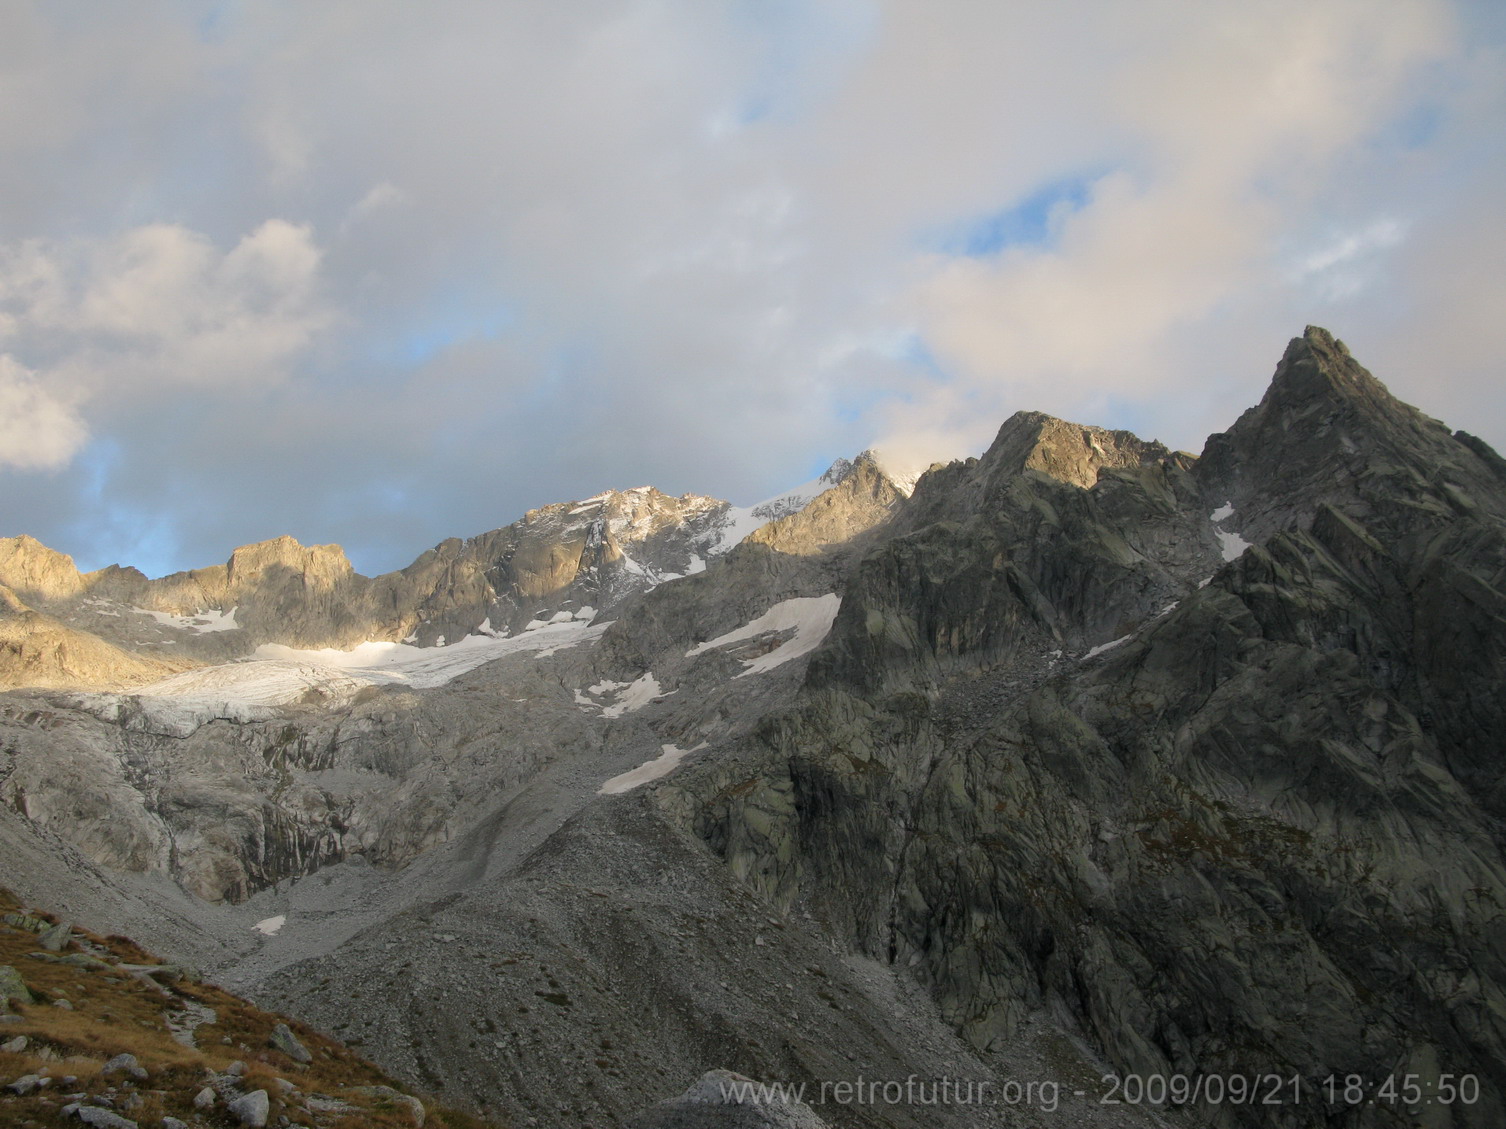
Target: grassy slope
{"type": "Point", "coordinates": [115, 1012]}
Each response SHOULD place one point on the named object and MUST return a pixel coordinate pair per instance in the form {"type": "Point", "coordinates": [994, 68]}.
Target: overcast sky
{"type": "Point", "coordinates": [382, 273]}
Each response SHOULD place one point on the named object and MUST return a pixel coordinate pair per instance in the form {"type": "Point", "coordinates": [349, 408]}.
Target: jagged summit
{"type": "Point", "coordinates": [1068, 452]}
{"type": "Point", "coordinates": [1326, 429]}
{"type": "Point", "coordinates": [35, 571]}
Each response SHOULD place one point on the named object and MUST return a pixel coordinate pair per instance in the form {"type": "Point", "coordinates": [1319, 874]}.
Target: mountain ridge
{"type": "Point", "coordinates": [1087, 757]}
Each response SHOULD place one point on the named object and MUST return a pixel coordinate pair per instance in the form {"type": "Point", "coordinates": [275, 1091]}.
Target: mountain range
{"type": "Point", "coordinates": [1084, 762]}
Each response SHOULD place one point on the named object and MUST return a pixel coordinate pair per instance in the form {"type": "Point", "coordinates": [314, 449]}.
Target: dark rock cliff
{"type": "Point", "coordinates": [1261, 832]}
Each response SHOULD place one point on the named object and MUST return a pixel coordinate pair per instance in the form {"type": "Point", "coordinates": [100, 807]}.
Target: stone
{"type": "Point", "coordinates": [103, 1118]}
{"type": "Point", "coordinates": [15, 1046]}
{"type": "Point", "coordinates": [12, 987]}
{"type": "Point", "coordinates": [173, 1123]}
{"type": "Point", "coordinates": [56, 938]}
{"type": "Point", "coordinates": [284, 1040]}
{"type": "Point", "coordinates": [204, 1099]}
{"type": "Point", "coordinates": [26, 1084]}
{"type": "Point", "coordinates": [125, 1064]}
{"type": "Point", "coordinates": [252, 1109]}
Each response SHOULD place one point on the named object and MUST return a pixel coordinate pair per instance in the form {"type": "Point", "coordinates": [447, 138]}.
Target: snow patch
{"type": "Point", "coordinates": [1102, 647]}
{"type": "Point", "coordinates": [810, 617]}
{"type": "Point", "coordinates": [275, 676]}
{"type": "Point", "coordinates": [1231, 544]}
{"type": "Point", "coordinates": [630, 696]}
{"type": "Point", "coordinates": [666, 762]}
{"type": "Point", "coordinates": [270, 926]}
{"type": "Point", "coordinates": [201, 622]}
{"type": "Point", "coordinates": [739, 521]}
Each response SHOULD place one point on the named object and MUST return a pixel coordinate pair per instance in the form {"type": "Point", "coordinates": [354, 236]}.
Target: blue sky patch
{"type": "Point", "coordinates": [1028, 223]}
{"type": "Point", "coordinates": [445, 326]}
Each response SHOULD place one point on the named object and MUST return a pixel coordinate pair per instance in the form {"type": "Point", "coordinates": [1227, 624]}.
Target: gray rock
{"type": "Point", "coordinates": [26, 1084]}
{"type": "Point", "coordinates": [55, 939]}
{"type": "Point", "coordinates": [252, 1109]}
{"type": "Point", "coordinates": [14, 1046]}
{"type": "Point", "coordinates": [173, 1123]}
{"type": "Point", "coordinates": [204, 1099]}
{"type": "Point", "coordinates": [103, 1118]}
{"type": "Point", "coordinates": [12, 987]}
{"type": "Point", "coordinates": [414, 1107]}
{"type": "Point", "coordinates": [125, 1064]}
{"type": "Point", "coordinates": [284, 1040]}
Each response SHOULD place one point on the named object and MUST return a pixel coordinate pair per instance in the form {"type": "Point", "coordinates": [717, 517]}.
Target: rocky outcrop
{"type": "Point", "coordinates": [35, 572]}
{"type": "Point", "coordinates": [38, 650]}
{"type": "Point", "coordinates": [861, 500]}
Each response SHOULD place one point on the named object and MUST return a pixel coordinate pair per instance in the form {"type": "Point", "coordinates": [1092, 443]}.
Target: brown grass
{"type": "Point", "coordinates": [114, 1013]}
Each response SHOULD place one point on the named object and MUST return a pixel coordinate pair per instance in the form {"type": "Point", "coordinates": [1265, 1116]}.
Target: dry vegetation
{"type": "Point", "coordinates": [86, 1015]}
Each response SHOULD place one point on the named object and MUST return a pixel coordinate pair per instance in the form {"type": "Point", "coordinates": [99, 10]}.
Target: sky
{"type": "Point", "coordinates": [381, 273]}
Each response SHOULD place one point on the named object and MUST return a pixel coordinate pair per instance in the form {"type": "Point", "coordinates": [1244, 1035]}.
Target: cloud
{"type": "Point", "coordinates": [160, 306]}
{"type": "Point", "coordinates": [384, 274]}
{"type": "Point", "coordinates": [38, 429]}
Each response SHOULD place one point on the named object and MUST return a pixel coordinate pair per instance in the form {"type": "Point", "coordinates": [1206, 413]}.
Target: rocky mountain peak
{"type": "Point", "coordinates": [37, 572]}
{"type": "Point", "coordinates": [1327, 431]}
{"type": "Point", "coordinates": [1068, 452]}
{"type": "Point", "coordinates": [1317, 374]}
{"type": "Point", "coordinates": [320, 565]}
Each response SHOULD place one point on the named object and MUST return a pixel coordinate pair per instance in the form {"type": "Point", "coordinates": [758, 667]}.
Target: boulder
{"type": "Point", "coordinates": [125, 1064]}
{"type": "Point", "coordinates": [285, 1041]}
{"type": "Point", "coordinates": [387, 1093]}
{"type": "Point", "coordinates": [251, 1110]}
{"type": "Point", "coordinates": [55, 938]}
{"type": "Point", "coordinates": [12, 987]}
{"type": "Point", "coordinates": [103, 1118]}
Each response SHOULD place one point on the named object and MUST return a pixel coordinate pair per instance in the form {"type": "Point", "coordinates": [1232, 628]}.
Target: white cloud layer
{"type": "Point", "coordinates": [38, 429]}
{"type": "Point", "coordinates": [385, 273]}
{"type": "Point", "coordinates": [159, 307]}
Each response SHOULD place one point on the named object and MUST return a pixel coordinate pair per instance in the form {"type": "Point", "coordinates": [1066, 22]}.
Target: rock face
{"type": "Point", "coordinates": [38, 650]}
{"type": "Point", "coordinates": [1201, 840]}
{"type": "Point", "coordinates": [1193, 762]}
